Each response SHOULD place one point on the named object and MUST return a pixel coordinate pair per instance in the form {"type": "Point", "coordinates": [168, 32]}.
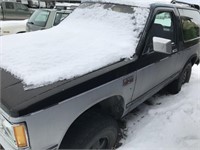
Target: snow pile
{"type": "Point", "coordinates": [90, 38]}
{"type": "Point", "coordinates": [172, 124]}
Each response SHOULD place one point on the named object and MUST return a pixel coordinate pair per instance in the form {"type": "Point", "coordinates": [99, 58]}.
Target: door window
{"type": "Point", "coordinates": [164, 19]}
{"type": "Point", "coordinates": [9, 5]}
{"type": "Point", "coordinates": [21, 7]}
{"type": "Point", "coordinates": [163, 27]}
{"type": "Point", "coordinates": [190, 24]}
{"type": "Point", "coordinates": [18, 6]}
{"type": "Point", "coordinates": [59, 17]}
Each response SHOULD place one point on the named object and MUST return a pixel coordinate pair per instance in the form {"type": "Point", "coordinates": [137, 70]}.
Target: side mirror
{"type": "Point", "coordinates": [162, 45]}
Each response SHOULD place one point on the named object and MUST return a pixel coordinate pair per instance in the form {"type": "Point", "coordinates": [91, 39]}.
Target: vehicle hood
{"type": "Point", "coordinates": [38, 66]}
{"type": "Point", "coordinates": [87, 40]}
{"type": "Point", "coordinates": [13, 97]}
{"type": "Point", "coordinates": [15, 100]}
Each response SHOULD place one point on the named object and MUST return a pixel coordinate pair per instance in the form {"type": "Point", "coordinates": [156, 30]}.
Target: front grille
{"type": "Point", "coordinates": [5, 135]}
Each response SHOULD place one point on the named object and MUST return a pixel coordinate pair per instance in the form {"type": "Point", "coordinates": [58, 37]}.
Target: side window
{"type": "Point", "coordinates": [59, 17]}
{"type": "Point", "coordinates": [42, 18]}
{"type": "Point", "coordinates": [18, 6]}
{"type": "Point", "coordinates": [164, 19]}
{"type": "Point", "coordinates": [23, 7]}
{"type": "Point", "coordinates": [190, 24]}
{"type": "Point", "coordinates": [163, 27]}
{"type": "Point", "coordinates": [9, 5]}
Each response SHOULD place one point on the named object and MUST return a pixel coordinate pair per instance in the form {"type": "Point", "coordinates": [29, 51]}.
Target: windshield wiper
{"type": "Point", "coordinates": [30, 22]}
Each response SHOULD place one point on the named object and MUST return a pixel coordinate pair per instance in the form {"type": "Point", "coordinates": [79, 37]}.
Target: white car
{"type": "Point", "coordinates": [12, 27]}
{"type": "Point", "coordinates": [46, 18]}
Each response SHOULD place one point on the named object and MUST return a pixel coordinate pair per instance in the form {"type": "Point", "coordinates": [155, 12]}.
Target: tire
{"type": "Point", "coordinates": [183, 78]}
{"type": "Point", "coordinates": [92, 131]}
{"type": "Point", "coordinates": [21, 32]}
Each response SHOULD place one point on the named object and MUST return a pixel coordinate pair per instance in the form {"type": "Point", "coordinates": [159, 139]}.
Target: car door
{"type": "Point", "coordinates": [190, 27]}
{"type": "Point", "coordinates": [157, 67]}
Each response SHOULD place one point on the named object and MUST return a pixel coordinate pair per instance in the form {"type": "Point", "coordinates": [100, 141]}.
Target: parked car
{"type": "Point", "coordinates": [12, 27]}
{"type": "Point", "coordinates": [69, 85]}
{"type": "Point", "coordinates": [45, 18]}
{"type": "Point", "coordinates": [14, 11]}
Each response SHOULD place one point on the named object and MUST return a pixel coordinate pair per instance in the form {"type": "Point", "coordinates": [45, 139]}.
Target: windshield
{"type": "Point", "coordinates": [39, 18]}
{"type": "Point", "coordinates": [115, 15]}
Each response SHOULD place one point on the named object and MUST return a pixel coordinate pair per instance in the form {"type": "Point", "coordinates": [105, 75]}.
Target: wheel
{"type": "Point", "coordinates": [184, 77]}
{"type": "Point", "coordinates": [92, 131]}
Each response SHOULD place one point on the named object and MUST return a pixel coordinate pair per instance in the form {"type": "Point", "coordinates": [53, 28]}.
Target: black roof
{"type": "Point", "coordinates": [177, 5]}
{"type": "Point", "coordinates": [185, 3]}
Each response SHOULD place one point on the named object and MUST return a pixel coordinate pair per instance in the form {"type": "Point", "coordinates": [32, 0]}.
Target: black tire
{"type": "Point", "coordinates": [92, 131]}
{"type": "Point", "coordinates": [183, 78]}
{"type": "Point", "coordinates": [21, 32]}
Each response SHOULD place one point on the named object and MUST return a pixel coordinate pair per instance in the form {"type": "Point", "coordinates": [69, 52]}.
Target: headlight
{"type": "Point", "coordinates": [16, 133]}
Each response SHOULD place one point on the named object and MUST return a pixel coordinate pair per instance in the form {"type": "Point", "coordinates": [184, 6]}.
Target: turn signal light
{"type": "Point", "coordinates": [20, 135]}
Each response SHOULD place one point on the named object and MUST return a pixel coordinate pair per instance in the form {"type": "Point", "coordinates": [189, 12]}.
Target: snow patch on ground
{"type": "Point", "coordinates": [171, 123]}
{"type": "Point", "coordinates": [87, 40]}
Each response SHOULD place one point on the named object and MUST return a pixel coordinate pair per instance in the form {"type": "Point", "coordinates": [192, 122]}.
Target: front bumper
{"type": "Point", "coordinates": [5, 142]}
{"type": "Point", "coordinates": [5, 145]}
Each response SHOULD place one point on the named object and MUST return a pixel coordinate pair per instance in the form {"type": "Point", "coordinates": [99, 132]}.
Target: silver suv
{"type": "Point", "coordinates": [81, 112]}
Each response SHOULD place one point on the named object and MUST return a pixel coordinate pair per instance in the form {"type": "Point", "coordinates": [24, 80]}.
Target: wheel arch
{"type": "Point", "coordinates": [113, 106]}
{"type": "Point", "coordinates": [193, 59]}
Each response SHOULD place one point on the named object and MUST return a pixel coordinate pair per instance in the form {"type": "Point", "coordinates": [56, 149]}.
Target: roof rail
{"type": "Point", "coordinates": [189, 4]}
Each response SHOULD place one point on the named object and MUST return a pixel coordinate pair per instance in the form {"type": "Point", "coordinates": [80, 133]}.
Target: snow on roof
{"type": "Point", "coordinates": [87, 40]}
{"type": "Point", "coordinates": [144, 3]}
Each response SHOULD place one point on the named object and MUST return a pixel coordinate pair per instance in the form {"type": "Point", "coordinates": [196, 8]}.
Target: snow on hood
{"type": "Point", "coordinates": [90, 38]}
